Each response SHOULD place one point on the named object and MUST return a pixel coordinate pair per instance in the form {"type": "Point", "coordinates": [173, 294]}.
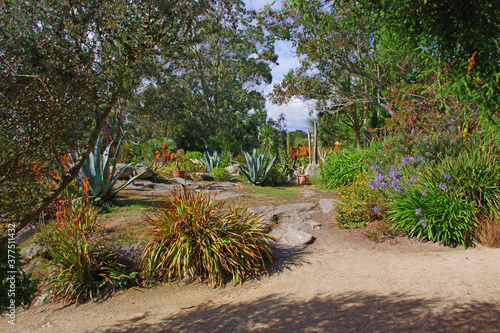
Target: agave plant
{"type": "Point", "coordinates": [99, 172]}
{"type": "Point", "coordinates": [210, 162]}
{"type": "Point", "coordinates": [257, 167]}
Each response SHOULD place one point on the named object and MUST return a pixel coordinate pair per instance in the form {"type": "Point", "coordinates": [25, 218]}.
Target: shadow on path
{"type": "Point", "coordinates": [353, 312]}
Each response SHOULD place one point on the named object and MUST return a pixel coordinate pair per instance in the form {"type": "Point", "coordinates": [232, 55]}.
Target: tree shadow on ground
{"type": "Point", "coordinates": [353, 312]}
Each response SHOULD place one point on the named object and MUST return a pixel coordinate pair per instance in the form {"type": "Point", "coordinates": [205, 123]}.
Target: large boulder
{"type": "Point", "coordinates": [201, 176]}
{"type": "Point", "coordinates": [312, 170]}
{"type": "Point", "coordinates": [143, 170]}
{"type": "Point", "coordinates": [127, 172]}
{"type": "Point", "coordinates": [233, 170]}
{"type": "Point", "coordinates": [32, 251]}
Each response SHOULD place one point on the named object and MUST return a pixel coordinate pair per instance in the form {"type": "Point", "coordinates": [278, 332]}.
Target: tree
{"type": "Point", "coordinates": [219, 78]}
{"type": "Point", "coordinates": [340, 67]}
{"type": "Point", "coordinates": [63, 67]}
{"type": "Point", "coordinates": [460, 37]}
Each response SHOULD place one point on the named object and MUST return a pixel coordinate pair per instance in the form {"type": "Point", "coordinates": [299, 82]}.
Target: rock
{"type": "Point", "coordinates": [326, 205]}
{"type": "Point", "coordinates": [143, 170]}
{"type": "Point", "coordinates": [312, 170]}
{"type": "Point", "coordinates": [226, 195]}
{"type": "Point", "coordinates": [201, 176]}
{"type": "Point", "coordinates": [227, 184]}
{"type": "Point", "coordinates": [233, 170]}
{"type": "Point", "coordinates": [129, 254]}
{"type": "Point", "coordinates": [126, 173]}
{"type": "Point", "coordinates": [32, 251]}
{"type": "Point", "coordinates": [291, 228]}
{"type": "Point", "coordinates": [42, 299]}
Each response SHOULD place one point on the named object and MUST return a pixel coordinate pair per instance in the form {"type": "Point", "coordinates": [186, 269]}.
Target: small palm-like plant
{"type": "Point", "coordinates": [257, 167]}
{"type": "Point", "coordinates": [196, 237]}
{"type": "Point", "coordinates": [210, 162]}
{"type": "Point", "coordinates": [99, 172]}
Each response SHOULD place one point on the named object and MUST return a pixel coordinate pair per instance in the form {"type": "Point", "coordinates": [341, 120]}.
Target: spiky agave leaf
{"type": "Point", "coordinates": [256, 169]}
{"type": "Point", "coordinates": [100, 171]}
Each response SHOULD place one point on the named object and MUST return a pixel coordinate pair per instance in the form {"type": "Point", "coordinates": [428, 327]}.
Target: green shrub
{"type": "Point", "coordinates": [220, 174]}
{"type": "Point", "coordinates": [342, 166]}
{"type": "Point", "coordinates": [16, 286]}
{"type": "Point", "coordinates": [84, 266]}
{"type": "Point", "coordinates": [188, 166]}
{"type": "Point", "coordinates": [274, 178]}
{"type": "Point", "coordinates": [457, 191]}
{"type": "Point", "coordinates": [359, 204]}
{"type": "Point", "coordinates": [436, 214]}
{"type": "Point", "coordinates": [195, 155]}
{"type": "Point", "coordinates": [226, 159]}
{"type": "Point", "coordinates": [474, 173]}
{"type": "Point", "coordinates": [195, 237]}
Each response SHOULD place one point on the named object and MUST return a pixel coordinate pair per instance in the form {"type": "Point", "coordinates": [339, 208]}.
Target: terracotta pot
{"type": "Point", "coordinates": [302, 179]}
{"type": "Point", "coordinates": [179, 174]}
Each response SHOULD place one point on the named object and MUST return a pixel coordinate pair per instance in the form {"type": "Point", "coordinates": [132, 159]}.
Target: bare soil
{"type": "Point", "coordinates": [343, 282]}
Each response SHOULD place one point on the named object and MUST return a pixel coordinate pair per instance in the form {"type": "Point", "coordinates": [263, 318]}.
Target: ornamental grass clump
{"type": "Point", "coordinates": [450, 198]}
{"type": "Point", "coordinates": [195, 237]}
{"type": "Point", "coordinates": [83, 265]}
{"type": "Point", "coordinates": [342, 166]}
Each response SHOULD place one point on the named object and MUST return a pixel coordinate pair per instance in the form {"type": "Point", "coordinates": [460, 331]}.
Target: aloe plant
{"type": "Point", "coordinates": [256, 169]}
{"type": "Point", "coordinates": [99, 172]}
{"type": "Point", "coordinates": [210, 162]}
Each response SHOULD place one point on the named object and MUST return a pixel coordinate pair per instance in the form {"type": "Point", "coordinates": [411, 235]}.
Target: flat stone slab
{"type": "Point", "coordinates": [226, 195]}
{"type": "Point", "coordinates": [293, 223]}
{"type": "Point", "coordinates": [326, 205]}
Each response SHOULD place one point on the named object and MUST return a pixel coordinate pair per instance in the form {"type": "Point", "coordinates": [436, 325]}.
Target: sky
{"type": "Point", "coordinates": [296, 111]}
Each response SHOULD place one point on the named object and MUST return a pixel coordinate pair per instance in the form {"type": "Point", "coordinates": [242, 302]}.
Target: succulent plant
{"type": "Point", "coordinates": [257, 167]}
{"type": "Point", "coordinates": [99, 172]}
{"type": "Point", "coordinates": [210, 162]}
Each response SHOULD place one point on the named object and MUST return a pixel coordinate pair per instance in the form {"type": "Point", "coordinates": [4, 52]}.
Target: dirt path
{"type": "Point", "coordinates": [339, 283]}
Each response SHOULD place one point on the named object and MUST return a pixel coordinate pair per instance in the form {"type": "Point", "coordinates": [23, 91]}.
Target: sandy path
{"type": "Point", "coordinates": [337, 284]}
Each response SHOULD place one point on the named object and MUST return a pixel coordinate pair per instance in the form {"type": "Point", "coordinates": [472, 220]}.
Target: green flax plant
{"type": "Point", "coordinates": [84, 266]}
{"type": "Point", "coordinates": [196, 237]}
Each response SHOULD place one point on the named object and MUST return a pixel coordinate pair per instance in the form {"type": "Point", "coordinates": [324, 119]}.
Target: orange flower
{"type": "Point", "coordinates": [157, 154]}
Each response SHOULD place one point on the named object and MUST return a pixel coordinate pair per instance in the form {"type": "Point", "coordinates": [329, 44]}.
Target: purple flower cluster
{"type": "Point", "coordinates": [443, 186]}
{"type": "Point", "coordinates": [418, 211]}
{"type": "Point", "coordinates": [377, 210]}
{"type": "Point", "coordinates": [378, 181]}
{"type": "Point", "coordinates": [423, 222]}
{"type": "Point", "coordinates": [381, 180]}
{"type": "Point", "coordinates": [412, 180]}
{"type": "Point", "coordinates": [407, 160]}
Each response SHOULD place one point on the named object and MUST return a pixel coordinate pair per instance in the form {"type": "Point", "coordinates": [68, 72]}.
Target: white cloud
{"type": "Point", "coordinates": [296, 112]}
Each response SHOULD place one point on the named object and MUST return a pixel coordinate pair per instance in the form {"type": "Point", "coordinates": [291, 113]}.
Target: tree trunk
{"type": "Point", "coordinates": [66, 179]}
{"type": "Point", "coordinates": [315, 142]}
{"type": "Point", "coordinates": [309, 144]}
